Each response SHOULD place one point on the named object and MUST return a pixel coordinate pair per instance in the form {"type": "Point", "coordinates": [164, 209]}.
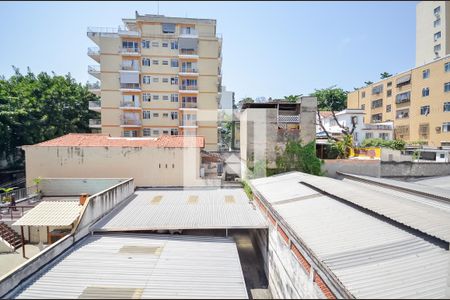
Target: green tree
{"type": "Point", "coordinates": [385, 75]}
{"type": "Point", "coordinates": [392, 144]}
{"type": "Point", "coordinates": [35, 108]}
{"type": "Point", "coordinates": [368, 82]}
{"type": "Point", "coordinates": [243, 101]}
{"type": "Point", "coordinates": [331, 98]}
{"type": "Point", "coordinates": [298, 157]}
{"type": "Point", "coordinates": [292, 98]}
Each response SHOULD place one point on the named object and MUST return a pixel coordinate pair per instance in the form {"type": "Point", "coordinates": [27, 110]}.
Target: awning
{"type": "Point", "coordinates": [51, 213]}
{"type": "Point", "coordinates": [188, 43]}
{"type": "Point", "coordinates": [129, 77]}
{"type": "Point", "coordinates": [404, 79]}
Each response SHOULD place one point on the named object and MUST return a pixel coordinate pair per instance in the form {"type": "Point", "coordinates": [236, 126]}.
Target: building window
{"type": "Point", "coordinates": [369, 135]}
{"type": "Point", "coordinates": [174, 98]}
{"type": "Point", "coordinates": [383, 135]}
{"type": "Point", "coordinates": [174, 115]}
{"type": "Point", "coordinates": [145, 44]}
{"type": "Point", "coordinates": [388, 108]}
{"type": "Point", "coordinates": [155, 115]}
{"type": "Point", "coordinates": [446, 106]}
{"type": "Point", "coordinates": [363, 106]}
{"type": "Point", "coordinates": [174, 63]}
{"type": "Point", "coordinates": [424, 110]}
{"type": "Point", "coordinates": [155, 97]}
{"type": "Point", "coordinates": [165, 80]}
{"type": "Point", "coordinates": [165, 62]}
{"type": "Point", "coordinates": [173, 131]}
{"type": "Point", "coordinates": [155, 79]}
{"type": "Point", "coordinates": [146, 61]}
{"type": "Point", "coordinates": [447, 67]}
{"type": "Point", "coordinates": [165, 97]}
{"type": "Point", "coordinates": [403, 97]}
{"type": "Point", "coordinates": [437, 10]}
{"type": "Point", "coordinates": [389, 93]}
{"type": "Point", "coordinates": [165, 44]}
{"type": "Point", "coordinates": [155, 132]}
{"type": "Point", "coordinates": [425, 92]}
{"type": "Point", "coordinates": [166, 132]}
{"type": "Point", "coordinates": [377, 118]}
{"type": "Point", "coordinates": [402, 114]}
{"type": "Point", "coordinates": [377, 89]}
{"type": "Point", "coordinates": [389, 84]}
{"type": "Point", "coordinates": [377, 103]}
{"type": "Point", "coordinates": [437, 36]}
{"type": "Point", "coordinates": [156, 62]}
{"type": "Point", "coordinates": [146, 79]}
{"type": "Point", "coordinates": [155, 44]}
{"type": "Point", "coordinates": [437, 48]}
{"type": "Point", "coordinates": [146, 97]}
{"type": "Point", "coordinates": [174, 45]}
{"type": "Point", "coordinates": [437, 22]}
{"type": "Point", "coordinates": [363, 94]}
{"type": "Point", "coordinates": [146, 114]}
{"type": "Point", "coordinates": [168, 27]}
{"type": "Point", "coordinates": [426, 73]}
{"type": "Point", "coordinates": [130, 45]}
{"type": "Point", "coordinates": [447, 87]}
{"type": "Point", "coordinates": [147, 132]}
{"type": "Point", "coordinates": [173, 80]}
{"type": "Point", "coordinates": [165, 115]}
{"type": "Point", "coordinates": [446, 127]}
{"type": "Point", "coordinates": [130, 133]}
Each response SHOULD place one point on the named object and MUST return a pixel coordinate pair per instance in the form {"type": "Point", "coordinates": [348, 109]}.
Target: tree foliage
{"type": "Point", "coordinates": [298, 157]}
{"type": "Point", "coordinates": [368, 82]}
{"type": "Point", "coordinates": [35, 108]}
{"type": "Point", "coordinates": [385, 75]}
{"type": "Point", "coordinates": [331, 98]}
{"type": "Point", "coordinates": [392, 144]}
{"type": "Point", "coordinates": [243, 101]}
{"type": "Point", "coordinates": [292, 98]}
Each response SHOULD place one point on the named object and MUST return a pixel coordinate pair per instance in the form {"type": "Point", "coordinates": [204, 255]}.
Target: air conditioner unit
{"type": "Point", "coordinates": [438, 129]}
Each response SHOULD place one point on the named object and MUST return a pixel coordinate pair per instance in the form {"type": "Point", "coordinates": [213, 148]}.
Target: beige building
{"type": "Point", "coordinates": [432, 31]}
{"type": "Point", "coordinates": [417, 101]}
{"type": "Point", "coordinates": [158, 76]}
{"type": "Point", "coordinates": [163, 161]}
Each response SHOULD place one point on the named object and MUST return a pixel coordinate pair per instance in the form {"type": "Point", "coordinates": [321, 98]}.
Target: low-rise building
{"type": "Point", "coordinates": [345, 118]}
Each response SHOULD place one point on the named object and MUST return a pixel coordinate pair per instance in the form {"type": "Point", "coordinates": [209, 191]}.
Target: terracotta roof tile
{"type": "Point", "coordinates": [101, 140]}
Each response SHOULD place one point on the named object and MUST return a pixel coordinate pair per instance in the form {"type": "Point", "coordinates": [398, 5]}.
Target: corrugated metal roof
{"type": "Point", "coordinates": [51, 213]}
{"type": "Point", "coordinates": [372, 258]}
{"type": "Point", "coordinates": [185, 267]}
{"type": "Point", "coordinates": [442, 182]}
{"type": "Point", "coordinates": [184, 209]}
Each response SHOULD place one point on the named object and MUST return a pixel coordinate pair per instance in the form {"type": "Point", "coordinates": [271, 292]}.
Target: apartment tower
{"type": "Point", "coordinates": [432, 31]}
{"type": "Point", "coordinates": [158, 76]}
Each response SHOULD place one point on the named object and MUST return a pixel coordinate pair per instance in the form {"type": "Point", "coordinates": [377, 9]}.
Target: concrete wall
{"type": "Point", "coordinates": [148, 166]}
{"type": "Point", "coordinates": [414, 169]}
{"type": "Point", "coordinates": [308, 112]}
{"type": "Point", "coordinates": [76, 186]}
{"type": "Point", "coordinates": [394, 155]}
{"type": "Point", "coordinates": [353, 166]}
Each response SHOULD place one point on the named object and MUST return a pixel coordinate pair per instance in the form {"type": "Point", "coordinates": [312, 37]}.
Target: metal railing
{"type": "Point", "coordinates": [130, 104]}
{"type": "Point", "coordinates": [188, 70]}
{"type": "Point", "coordinates": [126, 31]}
{"type": "Point", "coordinates": [288, 119]}
{"type": "Point", "coordinates": [134, 86]}
{"type": "Point", "coordinates": [377, 127]}
{"type": "Point", "coordinates": [9, 213]}
{"type": "Point", "coordinates": [93, 86]}
{"type": "Point", "coordinates": [188, 122]}
{"type": "Point", "coordinates": [184, 87]}
{"type": "Point", "coordinates": [133, 122]}
{"type": "Point", "coordinates": [19, 194]}
{"type": "Point", "coordinates": [129, 50]}
{"type": "Point", "coordinates": [129, 68]}
{"type": "Point", "coordinates": [93, 68]}
{"type": "Point", "coordinates": [189, 104]}
{"type": "Point", "coordinates": [93, 51]}
{"type": "Point", "coordinates": [95, 104]}
{"type": "Point", "coordinates": [95, 122]}
{"type": "Point", "coordinates": [92, 31]}
{"type": "Point", "coordinates": [188, 32]}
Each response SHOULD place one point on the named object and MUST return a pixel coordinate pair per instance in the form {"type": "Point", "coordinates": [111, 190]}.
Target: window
{"type": "Point", "coordinates": [377, 103]}
{"type": "Point", "coordinates": [377, 89]}
{"type": "Point", "coordinates": [383, 135]}
{"type": "Point", "coordinates": [155, 44]}
{"type": "Point", "coordinates": [174, 45]}
{"type": "Point", "coordinates": [377, 118]}
{"type": "Point", "coordinates": [447, 87]}
{"type": "Point", "coordinates": [425, 92]}
{"type": "Point", "coordinates": [437, 10]}
{"type": "Point", "coordinates": [363, 94]}
{"type": "Point", "coordinates": [165, 115]}
{"type": "Point", "coordinates": [165, 62]}
{"type": "Point", "coordinates": [369, 135]}
{"type": "Point", "coordinates": [363, 106]}
{"type": "Point", "coordinates": [447, 67]}
{"type": "Point", "coordinates": [174, 63]}
{"type": "Point", "coordinates": [174, 98]}
{"type": "Point", "coordinates": [156, 132]}
{"type": "Point", "coordinates": [155, 79]}
{"type": "Point", "coordinates": [130, 45]}
{"type": "Point", "coordinates": [168, 27]}
{"type": "Point", "coordinates": [388, 108]}
{"type": "Point", "coordinates": [403, 97]}
{"type": "Point", "coordinates": [446, 127]}
{"type": "Point", "coordinates": [165, 80]}
{"type": "Point", "coordinates": [174, 115]}
{"type": "Point", "coordinates": [165, 44]}
{"type": "Point", "coordinates": [173, 131]}
{"type": "Point", "coordinates": [165, 97]}
{"type": "Point", "coordinates": [447, 107]}
{"type": "Point", "coordinates": [146, 97]}
{"type": "Point", "coordinates": [402, 114]}
{"type": "Point", "coordinates": [437, 48]}
{"type": "Point", "coordinates": [424, 110]}
{"type": "Point", "coordinates": [147, 132]}
{"type": "Point", "coordinates": [146, 61]}
{"type": "Point", "coordinates": [437, 22]}
{"type": "Point", "coordinates": [426, 73]}
{"type": "Point", "coordinates": [155, 115]}
{"type": "Point", "coordinates": [166, 132]}
{"type": "Point", "coordinates": [437, 36]}
{"type": "Point", "coordinates": [146, 114]}
{"type": "Point", "coordinates": [146, 79]}
{"type": "Point", "coordinates": [173, 80]}
{"type": "Point", "coordinates": [354, 119]}
{"type": "Point", "coordinates": [424, 131]}
{"type": "Point", "coordinates": [130, 133]}
{"type": "Point", "coordinates": [389, 84]}
{"type": "Point", "coordinates": [145, 44]}
{"type": "Point", "coordinates": [155, 97]}
{"type": "Point", "coordinates": [389, 93]}
{"type": "Point", "coordinates": [156, 62]}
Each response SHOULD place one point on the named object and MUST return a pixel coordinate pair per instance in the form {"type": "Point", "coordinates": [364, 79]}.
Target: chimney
{"type": "Point", "coordinates": [83, 198]}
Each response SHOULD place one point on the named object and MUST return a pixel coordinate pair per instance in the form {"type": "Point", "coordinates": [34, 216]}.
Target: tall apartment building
{"type": "Point", "coordinates": [417, 101]}
{"type": "Point", "coordinates": [432, 31]}
{"type": "Point", "coordinates": [158, 76]}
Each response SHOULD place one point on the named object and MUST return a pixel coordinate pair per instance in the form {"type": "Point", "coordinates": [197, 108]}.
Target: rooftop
{"type": "Point", "coordinates": [101, 140]}
{"type": "Point", "coordinates": [51, 213]}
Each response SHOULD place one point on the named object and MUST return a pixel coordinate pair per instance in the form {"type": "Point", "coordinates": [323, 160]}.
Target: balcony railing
{"type": "Point", "coordinates": [95, 104]}
{"type": "Point", "coordinates": [128, 32]}
{"type": "Point", "coordinates": [189, 104]}
{"type": "Point", "coordinates": [129, 50]}
{"type": "Point", "coordinates": [93, 86]}
{"type": "Point", "coordinates": [130, 104]}
{"type": "Point", "coordinates": [288, 119]}
{"type": "Point", "coordinates": [187, 52]}
{"type": "Point", "coordinates": [93, 51]}
{"type": "Point", "coordinates": [125, 67]}
{"type": "Point", "coordinates": [101, 31]}
{"type": "Point", "coordinates": [184, 87]}
{"type": "Point", "coordinates": [185, 32]}
{"type": "Point", "coordinates": [188, 70]}
{"type": "Point", "coordinates": [95, 122]}
{"type": "Point", "coordinates": [131, 86]}
{"type": "Point", "coordinates": [377, 127]}
{"type": "Point", "coordinates": [93, 69]}
{"type": "Point", "coordinates": [188, 123]}
{"type": "Point", "coordinates": [130, 122]}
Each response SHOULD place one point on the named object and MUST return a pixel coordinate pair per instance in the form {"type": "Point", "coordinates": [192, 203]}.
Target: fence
{"type": "Point", "coordinates": [18, 194]}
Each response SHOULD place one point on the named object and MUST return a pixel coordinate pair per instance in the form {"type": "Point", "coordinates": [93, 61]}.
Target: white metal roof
{"type": "Point", "coordinates": [371, 257]}
{"type": "Point", "coordinates": [184, 209]}
{"type": "Point", "coordinates": [442, 182]}
{"type": "Point", "coordinates": [51, 213]}
{"type": "Point", "coordinates": [142, 266]}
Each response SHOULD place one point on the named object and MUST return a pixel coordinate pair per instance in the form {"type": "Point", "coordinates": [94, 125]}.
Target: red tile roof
{"type": "Point", "coordinates": [101, 140]}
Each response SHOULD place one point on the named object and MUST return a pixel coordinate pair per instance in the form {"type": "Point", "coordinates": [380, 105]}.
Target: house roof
{"type": "Point", "coordinates": [51, 213]}
{"type": "Point", "coordinates": [101, 140]}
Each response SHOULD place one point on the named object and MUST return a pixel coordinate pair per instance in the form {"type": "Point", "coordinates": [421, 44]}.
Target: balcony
{"type": "Point", "coordinates": [94, 71]}
{"type": "Point", "coordinates": [130, 105]}
{"type": "Point", "coordinates": [187, 53]}
{"type": "Point", "coordinates": [288, 119]}
{"type": "Point", "coordinates": [94, 53]}
{"type": "Point", "coordinates": [95, 123]}
{"type": "Point", "coordinates": [377, 127]}
{"type": "Point", "coordinates": [188, 105]}
{"type": "Point", "coordinates": [130, 51]}
{"type": "Point", "coordinates": [94, 33]}
{"type": "Point", "coordinates": [186, 71]}
{"type": "Point", "coordinates": [125, 32]}
{"type": "Point", "coordinates": [130, 87]}
{"type": "Point", "coordinates": [95, 105]}
{"type": "Point", "coordinates": [188, 33]}
{"type": "Point", "coordinates": [188, 124]}
{"type": "Point", "coordinates": [189, 89]}
{"type": "Point", "coordinates": [127, 67]}
{"type": "Point", "coordinates": [94, 87]}
{"type": "Point", "coordinates": [130, 122]}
